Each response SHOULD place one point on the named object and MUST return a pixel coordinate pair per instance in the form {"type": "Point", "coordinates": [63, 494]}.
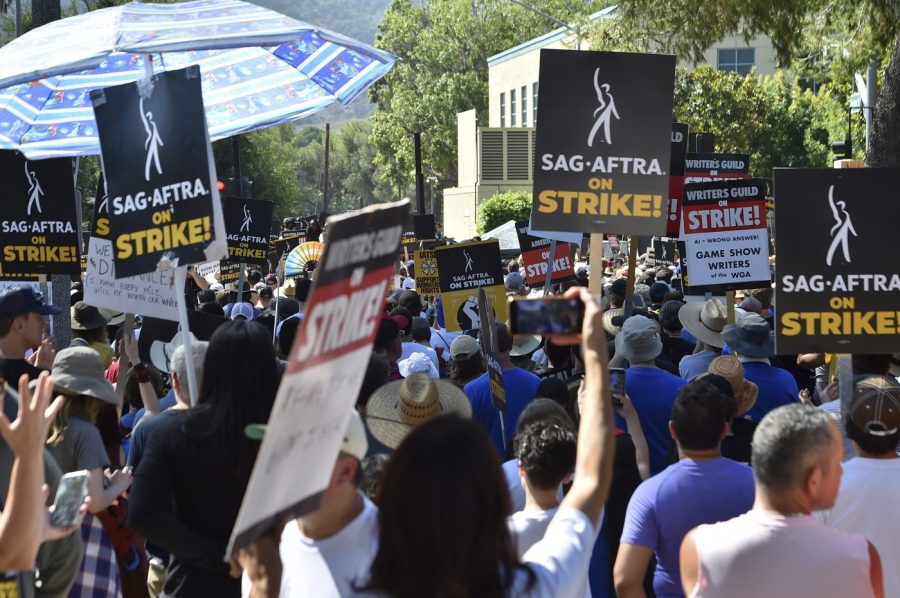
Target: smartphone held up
{"type": "Point", "coordinates": [70, 493]}
{"type": "Point", "coordinates": [546, 316]}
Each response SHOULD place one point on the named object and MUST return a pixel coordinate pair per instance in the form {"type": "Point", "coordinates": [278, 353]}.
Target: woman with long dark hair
{"type": "Point", "coordinates": [203, 460]}
{"type": "Point", "coordinates": [444, 503]}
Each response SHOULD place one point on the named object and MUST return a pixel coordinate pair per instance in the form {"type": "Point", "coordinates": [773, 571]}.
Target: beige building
{"type": "Point", "coordinates": [499, 157]}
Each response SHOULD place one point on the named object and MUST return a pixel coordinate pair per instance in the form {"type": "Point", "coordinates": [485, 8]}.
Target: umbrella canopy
{"type": "Point", "coordinates": [259, 68]}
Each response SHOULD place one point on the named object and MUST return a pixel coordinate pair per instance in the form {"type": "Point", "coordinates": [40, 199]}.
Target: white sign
{"type": "Point", "coordinates": [151, 294]}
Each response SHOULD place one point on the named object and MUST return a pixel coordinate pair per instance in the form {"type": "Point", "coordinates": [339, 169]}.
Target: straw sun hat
{"type": "Point", "coordinates": [398, 407]}
{"type": "Point", "coordinates": [730, 368]}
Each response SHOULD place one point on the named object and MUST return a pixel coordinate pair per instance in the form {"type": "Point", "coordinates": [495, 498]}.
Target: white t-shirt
{"type": "Point", "coordinates": [528, 527]}
{"type": "Point", "coordinates": [514, 483]}
{"type": "Point", "coordinates": [410, 348]}
{"type": "Point", "coordinates": [559, 561]}
{"type": "Point", "coordinates": [866, 504]}
{"type": "Point", "coordinates": [762, 553]}
{"type": "Point", "coordinates": [443, 339]}
{"type": "Point", "coordinates": [326, 568]}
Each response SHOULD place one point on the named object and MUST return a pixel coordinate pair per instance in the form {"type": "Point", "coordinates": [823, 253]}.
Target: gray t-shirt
{"type": "Point", "coordinates": [81, 447]}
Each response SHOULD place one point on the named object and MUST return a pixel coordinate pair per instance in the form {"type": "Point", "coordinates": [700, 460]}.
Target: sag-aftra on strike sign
{"type": "Point", "coordinates": [603, 143]}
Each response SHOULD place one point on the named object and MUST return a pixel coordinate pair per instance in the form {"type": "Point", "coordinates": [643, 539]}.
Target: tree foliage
{"type": "Point", "coordinates": [825, 39]}
{"type": "Point", "coordinates": [501, 208]}
{"type": "Point", "coordinates": [772, 118]}
{"type": "Point", "coordinates": [443, 47]}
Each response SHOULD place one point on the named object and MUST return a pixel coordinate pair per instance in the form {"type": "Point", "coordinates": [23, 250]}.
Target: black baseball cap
{"type": "Point", "coordinates": [22, 300]}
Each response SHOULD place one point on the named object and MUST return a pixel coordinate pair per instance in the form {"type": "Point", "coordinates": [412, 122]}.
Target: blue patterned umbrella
{"type": "Point", "coordinates": [259, 68]}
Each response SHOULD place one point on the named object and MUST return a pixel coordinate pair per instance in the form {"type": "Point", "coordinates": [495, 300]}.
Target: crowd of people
{"type": "Point", "coordinates": [714, 470]}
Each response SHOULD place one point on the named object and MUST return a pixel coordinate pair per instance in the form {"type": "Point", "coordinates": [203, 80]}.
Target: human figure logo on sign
{"type": "Point", "coordinates": [248, 220]}
{"type": "Point", "coordinates": [839, 232]}
{"type": "Point", "coordinates": [469, 263]}
{"type": "Point", "coordinates": [35, 191]}
{"type": "Point", "coordinates": [604, 112]}
{"type": "Point", "coordinates": [153, 142]}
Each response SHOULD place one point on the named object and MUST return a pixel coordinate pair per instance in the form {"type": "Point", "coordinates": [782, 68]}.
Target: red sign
{"type": "Point", "coordinates": [536, 264]}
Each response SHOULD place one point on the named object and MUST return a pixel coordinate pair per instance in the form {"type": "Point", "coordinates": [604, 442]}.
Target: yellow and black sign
{"type": "Point", "coordinates": [247, 224]}
{"type": "Point", "coordinates": [603, 146]}
{"type": "Point", "coordinates": [838, 288]}
{"type": "Point", "coordinates": [427, 279]}
{"type": "Point", "coordinates": [463, 269]}
{"type": "Point", "coordinates": [39, 229]}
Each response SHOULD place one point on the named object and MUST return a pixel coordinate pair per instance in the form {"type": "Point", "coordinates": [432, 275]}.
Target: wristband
{"type": "Point", "coordinates": [142, 371]}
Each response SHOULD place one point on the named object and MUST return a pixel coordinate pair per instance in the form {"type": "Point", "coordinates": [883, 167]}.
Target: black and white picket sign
{"type": "Point", "coordinates": [39, 228]}
{"type": "Point", "coordinates": [248, 223]}
{"type": "Point", "coordinates": [838, 285]}
{"type": "Point", "coordinates": [603, 142]}
{"type": "Point", "coordinates": [160, 177]}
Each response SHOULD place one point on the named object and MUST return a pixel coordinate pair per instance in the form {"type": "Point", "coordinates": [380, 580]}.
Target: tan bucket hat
{"type": "Point", "coordinates": [705, 321]}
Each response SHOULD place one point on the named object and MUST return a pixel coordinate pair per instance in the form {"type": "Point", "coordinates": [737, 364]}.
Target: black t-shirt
{"type": "Point", "coordinates": [180, 466]}
{"type": "Point", "coordinates": [14, 368]}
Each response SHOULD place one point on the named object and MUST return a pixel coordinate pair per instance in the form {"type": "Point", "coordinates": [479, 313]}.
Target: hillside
{"type": "Point", "coordinates": [358, 19]}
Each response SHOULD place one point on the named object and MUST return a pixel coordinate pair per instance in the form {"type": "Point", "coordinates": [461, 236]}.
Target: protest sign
{"type": "Point", "coordinates": [664, 251]}
{"type": "Point", "coordinates": [838, 285]}
{"type": "Point", "coordinates": [38, 217]}
{"type": "Point", "coordinates": [614, 244]}
{"type": "Point", "coordinates": [160, 176]}
{"type": "Point", "coordinates": [427, 280]}
{"type": "Point", "coordinates": [702, 168]}
{"type": "Point", "coordinates": [208, 270]}
{"type": "Point", "coordinates": [247, 226]}
{"type": "Point", "coordinates": [725, 234]}
{"type": "Point", "coordinates": [155, 340]}
{"type": "Point", "coordinates": [419, 227]}
{"type": "Point", "coordinates": [536, 253]}
{"type": "Point", "coordinates": [463, 269]}
{"type": "Point", "coordinates": [325, 370]}
{"type": "Point", "coordinates": [676, 177]}
{"type": "Point", "coordinates": [229, 271]}
{"type": "Point", "coordinates": [151, 294]}
{"type": "Point", "coordinates": [603, 142]}
{"type": "Point", "coordinates": [489, 350]}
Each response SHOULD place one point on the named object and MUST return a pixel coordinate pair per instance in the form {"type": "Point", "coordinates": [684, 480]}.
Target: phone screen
{"type": "Point", "coordinates": [73, 487]}
{"type": "Point", "coordinates": [546, 316]}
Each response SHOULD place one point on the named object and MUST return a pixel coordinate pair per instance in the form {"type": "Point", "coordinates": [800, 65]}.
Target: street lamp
{"type": "Point", "coordinates": [574, 29]}
{"type": "Point", "coordinates": [431, 182]}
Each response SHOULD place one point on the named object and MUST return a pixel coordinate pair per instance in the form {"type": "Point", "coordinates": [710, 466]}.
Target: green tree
{"type": "Point", "coordinates": [443, 47]}
{"type": "Point", "coordinates": [501, 208]}
{"type": "Point", "coordinates": [831, 37]}
{"type": "Point", "coordinates": [772, 118]}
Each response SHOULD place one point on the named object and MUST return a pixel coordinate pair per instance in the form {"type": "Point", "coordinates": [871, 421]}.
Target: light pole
{"type": "Point", "coordinates": [431, 181]}
{"type": "Point", "coordinates": [574, 29]}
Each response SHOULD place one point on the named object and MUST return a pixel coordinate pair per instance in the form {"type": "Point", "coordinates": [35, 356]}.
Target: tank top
{"type": "Point", "coordinates": [762, 553]}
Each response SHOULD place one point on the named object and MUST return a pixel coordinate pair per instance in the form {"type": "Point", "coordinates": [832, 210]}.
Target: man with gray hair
{"type": "Point", "coordinates": [178, 365]}
{"type": "Point", "coordinates": [778, 548]}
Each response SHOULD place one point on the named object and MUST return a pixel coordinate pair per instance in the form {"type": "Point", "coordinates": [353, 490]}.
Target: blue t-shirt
{"type": "Point", "coordinates": [132, 417]}
{"type": "Point", "coordinates": [666, 507]}
{"type": "Point", "coordinates": [653, 392]}
{"type": "Point", "coordinates": [521, 387]}
{"type": "Point", "coordinates": [695, 364]}
{"type": "Point", "coordinates": [776, 388]}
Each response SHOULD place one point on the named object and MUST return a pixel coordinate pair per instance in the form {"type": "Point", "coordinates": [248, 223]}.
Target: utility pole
{"type": "Point", "coordinates": [327, 149]}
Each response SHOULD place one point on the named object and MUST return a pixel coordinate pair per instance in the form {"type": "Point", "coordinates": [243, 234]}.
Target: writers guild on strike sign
{"type": "Point", "coordinates": [536, 253]}
{"type": "Point", "coordinates": [603, 144]}
{"type": "Point", "coordinates": [247, 226]}
{"type": "Point", "coordinates": [38, 216]}
{"type": "Point", "coordinates": [161, 189]}
{"type": "Point", "coordinates": [725, 235]}
{"type": "Point", "coordinates": [325, 370]}
{"type": "Point", "coordinates": [838, 288]}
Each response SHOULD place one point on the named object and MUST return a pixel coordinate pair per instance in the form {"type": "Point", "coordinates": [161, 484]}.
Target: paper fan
{"type": "Point", "coordinates": [303, 258]}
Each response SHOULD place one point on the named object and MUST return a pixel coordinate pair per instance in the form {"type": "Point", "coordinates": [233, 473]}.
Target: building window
{"type": "Point", "coordinates": [512, 107]}
{"type": "Point", "coordinates": [502, 109]}
{"type": "Point", "coordinates": [534, 90]}
{"type": "Point", "coordinates": [524, 105]}
{"type": "Point", "coordinates": [737, 60]}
